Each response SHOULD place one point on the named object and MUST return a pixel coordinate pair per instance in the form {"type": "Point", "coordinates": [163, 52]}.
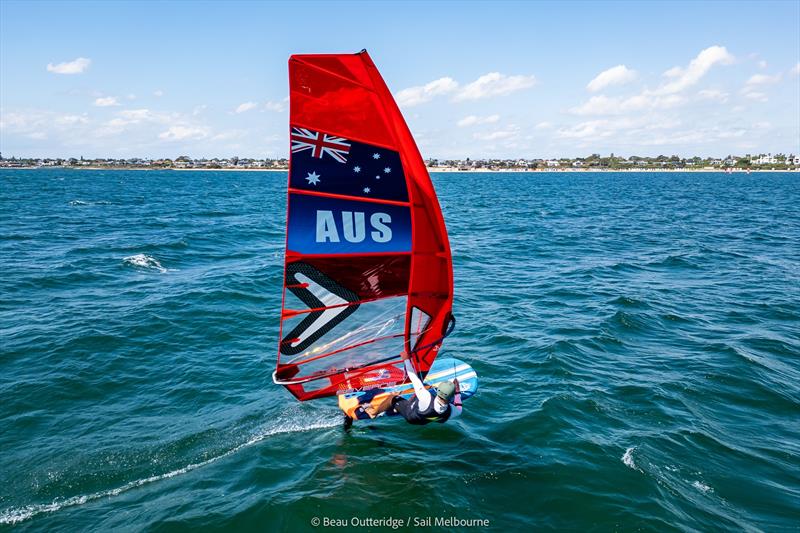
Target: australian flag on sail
{"type": "Point", "coordinates": [326, 163]}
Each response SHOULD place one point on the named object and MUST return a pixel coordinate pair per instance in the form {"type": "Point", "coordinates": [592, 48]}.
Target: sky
{"type": "Point", "coordinates": [473, 79]}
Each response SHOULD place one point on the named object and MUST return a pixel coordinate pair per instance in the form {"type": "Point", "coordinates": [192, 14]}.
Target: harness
{"type": "Point", "coordinates": [415, 416]}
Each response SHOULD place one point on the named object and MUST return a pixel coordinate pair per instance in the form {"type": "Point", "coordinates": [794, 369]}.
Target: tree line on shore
{"type": "Point", "coordinates": [594, 161]}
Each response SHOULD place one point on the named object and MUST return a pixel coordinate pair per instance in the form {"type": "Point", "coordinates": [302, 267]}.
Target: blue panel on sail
{"type": "Point", "coordinates": [321, 225]}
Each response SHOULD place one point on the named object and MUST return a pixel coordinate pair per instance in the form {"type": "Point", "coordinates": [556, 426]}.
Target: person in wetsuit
{"type": "Point", "coordinates": [426, 406]}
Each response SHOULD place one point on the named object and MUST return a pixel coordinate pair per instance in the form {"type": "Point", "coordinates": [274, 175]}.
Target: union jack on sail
{"type": "Point", "coordinates": [320, 143]}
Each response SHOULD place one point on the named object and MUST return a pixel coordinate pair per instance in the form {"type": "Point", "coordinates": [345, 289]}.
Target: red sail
{"type": "Point", "coordinates": [368, 270]}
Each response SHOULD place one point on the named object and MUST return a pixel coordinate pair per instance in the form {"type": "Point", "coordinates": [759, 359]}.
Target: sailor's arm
{"type": "Point", "coordinates": [420, 391]}
{"type": "Point", "coordinates": [456, 409]}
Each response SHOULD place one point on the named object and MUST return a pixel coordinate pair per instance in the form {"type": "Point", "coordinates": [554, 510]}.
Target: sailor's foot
{"type": "Point", "coordinates": [348, 422]}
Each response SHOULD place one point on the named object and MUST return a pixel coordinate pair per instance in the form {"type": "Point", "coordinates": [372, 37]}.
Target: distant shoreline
{"type": "Point", "coordinates": [579, 170]}
{"type": "Point", "coordinates": [439, 170]}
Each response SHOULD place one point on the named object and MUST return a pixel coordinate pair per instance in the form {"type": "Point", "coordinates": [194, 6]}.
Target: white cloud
{"type": "Point", "coordinates": [543, 125]}
{"type": "Point", "coordinates": [680, 137]}
{"type": "Point", "coordinates": [658, 131]}
{"type": "Point", "coordinates": [106, 101]}
{"type": "Point", "coordinates": [754, 82]}
{"type": "Point", "coordinates": [731, 134]}
{"type": "Point", "coordinates": [13, 121]}
{"type": "Point", "coordinates": [472, 120]}
{"type": "Point", "coordinates": [697, 68]}
{"type": "Point", "coordinates": [277, 107]}
{"type": "Point", "coordinates": [129, 117]}
{"type": "Point", "coordinates": [702, 135]}
{"type": "Point", "coordinates": [598, 105]}
{"type": "Point", "coordinates": [762, 64]}
{"type": "Point", "coordinates": [247, 106]}
{"type": "Point", "coordinates": [112, 127]}
{"type": "Point", "coordinates": [199, 109]}
{"type": "Point", "coordinates": [68, 120]}
{"type": "Point", "coordinates": [713, 94]}
{"type": "Point", "coordinates": [424, 93]}
{"type": "Point", "coordinates": [665, 96]}
{"type": "Point", "coordinates": [795, 69]}
{"type": "Point", "coordinates": [179, 133]}
{"type": "Point", "coordinates": [511, 130]}
{"type": "Point", "coordinates": [158, 93]}
{"type": "Point", "coordinates": [495, 135]}
{"type": "Point", "coordinates": [118, 131]}
{"type": "Point", "coordinates": [763, 79]}
{"type": "Point", "coordinates": [642, 131]}
{"type": "Point", "coordinates": [41, 124]}
{"type": "Point", "coordinates": [618, 75]}
{"type": "Point", "coordinates": [488, 85]}
{"type": "Point", "coordinates": [468, 121]}
{"type": "Point", "coordinates": [604, 105]}
{"type": "Point", "coordinates": [755, 95]}
{"type": "Point", "coordinates": [593, 128]}
{"type": "Point", "coordinates": [19, 121]}
{"type": "Point", "coordinates": [76, 66]}
{"type": "Point", "coordinates": [494, 84]}
{"type": "Point", "coordinates": [137, 115]}
{"type": "Point", "coordinates": [229, 135]}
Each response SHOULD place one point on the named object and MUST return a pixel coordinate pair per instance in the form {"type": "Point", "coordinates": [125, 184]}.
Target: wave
{"type": "Point", "coordinates": [145, 261]}
{"type": "Point", "coordinates": [625, 301]}
{"type": "Point", "coordinates": [674, 261]}
{"type": "Point", "coordinates": [702, 487]}
{"type": "Point", "coordinates": [16, 515]}
{"type": "Point", "coordinates": [629, 322]}
{"type": "Point", "coordinates": [627, 459]}
{"type": "Point", "coordinates": [76, 203]}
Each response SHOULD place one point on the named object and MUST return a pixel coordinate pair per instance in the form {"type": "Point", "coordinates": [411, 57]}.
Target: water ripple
{"type": "Point", "coordinates": [636, 337]}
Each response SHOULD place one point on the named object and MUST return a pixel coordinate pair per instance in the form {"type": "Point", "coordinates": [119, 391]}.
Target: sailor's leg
{"type": "Point", "coordinates": [348, 422]}
{"type": "Point", "coordinates": [401, 406]}
{"type": "Point", "coordinates": [385, 405]}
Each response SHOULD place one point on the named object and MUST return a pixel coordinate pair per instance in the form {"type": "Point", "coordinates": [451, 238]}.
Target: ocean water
{"type": "Point", "coordinates": [637, 337]}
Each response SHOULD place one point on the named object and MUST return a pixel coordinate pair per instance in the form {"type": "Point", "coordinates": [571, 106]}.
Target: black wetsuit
{"type": "Point", "coordinates": [409, 409]}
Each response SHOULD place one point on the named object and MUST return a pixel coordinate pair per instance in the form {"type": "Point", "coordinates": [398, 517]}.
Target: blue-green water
{"type": "Point", "coordinates": [637, 338]}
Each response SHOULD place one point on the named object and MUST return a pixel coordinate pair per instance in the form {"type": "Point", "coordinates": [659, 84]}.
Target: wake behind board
{"type": "Point", "coordinates": [353, 403]}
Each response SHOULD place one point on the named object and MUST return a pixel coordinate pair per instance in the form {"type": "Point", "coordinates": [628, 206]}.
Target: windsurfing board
{"type": "Point", "coordinates": [354, 403]}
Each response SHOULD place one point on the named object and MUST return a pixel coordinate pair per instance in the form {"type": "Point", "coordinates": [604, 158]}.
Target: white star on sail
{"type": "Point", "coordinates": [366, 189]}
{"type": "Point", "coordinates": [387, 170]}
{"type": "Point", "coordinates": [376, 155]}
{"type": "Point", "coordinates": [313, 178]}
{"type": "Point", "coordinates": [356, 169]}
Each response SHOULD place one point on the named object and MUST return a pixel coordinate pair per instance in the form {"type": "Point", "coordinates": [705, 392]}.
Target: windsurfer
{"type": "Point", "coordinates": [426, 406]}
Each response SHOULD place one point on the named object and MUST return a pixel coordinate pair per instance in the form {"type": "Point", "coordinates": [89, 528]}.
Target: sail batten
{"type": "Point", "coordinates": [368, 271]}
{"type": "Point", "coordinates": [346, 197]}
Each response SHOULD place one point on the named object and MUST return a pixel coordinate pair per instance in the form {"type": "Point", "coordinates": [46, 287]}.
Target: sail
{"type": "Point", "coordinates": [368, 271]}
